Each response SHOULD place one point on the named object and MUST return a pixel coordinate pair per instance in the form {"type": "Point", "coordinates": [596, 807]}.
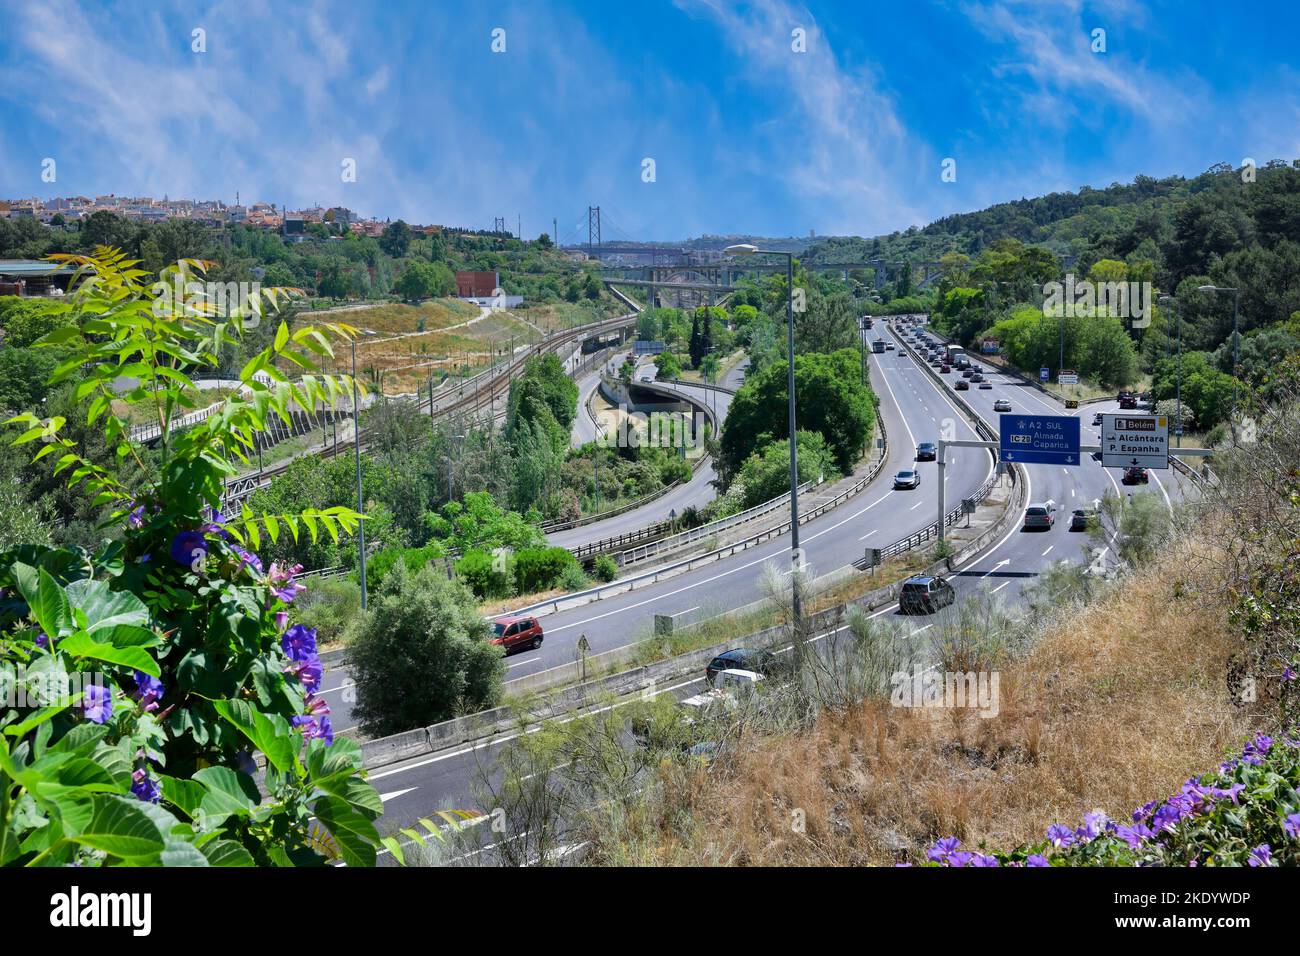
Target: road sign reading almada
{"type": "Point", "coordinates": [1128, 440]}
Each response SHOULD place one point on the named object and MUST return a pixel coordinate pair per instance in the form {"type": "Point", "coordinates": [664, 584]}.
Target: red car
{"type": "Point", "coordinates": [517, 633]}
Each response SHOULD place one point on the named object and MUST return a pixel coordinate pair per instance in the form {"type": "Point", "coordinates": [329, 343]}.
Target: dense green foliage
{"type": "Point", "coordinates": [831, 398]}
{"type": "Point", "coordinates": [157, 668]}
{"type": "Point", "coordinates": [423, 654]}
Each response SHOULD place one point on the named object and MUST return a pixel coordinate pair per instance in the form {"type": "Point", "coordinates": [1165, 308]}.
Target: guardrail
{"type": "Point", "coordinates": [482, 382]}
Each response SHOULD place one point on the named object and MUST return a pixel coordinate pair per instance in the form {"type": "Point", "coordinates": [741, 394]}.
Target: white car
{"type": "Point", "coordinates": [1002, 405]}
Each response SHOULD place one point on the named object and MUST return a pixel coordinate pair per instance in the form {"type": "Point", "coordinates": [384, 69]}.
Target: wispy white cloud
{"type": "Point", "coordinates": [839, 141]}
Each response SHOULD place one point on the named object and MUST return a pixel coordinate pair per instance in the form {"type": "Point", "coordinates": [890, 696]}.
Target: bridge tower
{"type": "Point", "coordinates": [593, 228]}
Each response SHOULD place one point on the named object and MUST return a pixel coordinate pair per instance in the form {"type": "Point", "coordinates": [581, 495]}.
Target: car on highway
{"type": "Point", "coordinates": [926, 451]}
{"type": "Point", "coordinates": [1096, 420]}
{"type": "Point", "coordinates": [945, 368]}
{"type": "Point", "coordinates": [1041, 515]}
{"type": "Point", "coordinates": [962, 385]}
{"type": "Point", "coordinates": [923, 594]}
{"type": "Point", "coordinates": [517, 633]}
{"type": "Point", "coordinates": [976, 377]}
{"type": "Point", "coordinates": [1128, 400]}
{"type": "Point", "coordinates": [1081, 518]}
{"type": "Point", "coordinates": [1135, 475]}
{"type": "Point", "coordinates": [1002, 405]}
{"type": "Point", "coordinates": [889, 347]}
{"type": "Point", "coordinates": [967, 372]}
{"type": "Point", "coordinates": [908, 478]}
{"type": "Point", "coordinates": [986, 385]}
{"type": "Point", "coordinates": [742, 659]}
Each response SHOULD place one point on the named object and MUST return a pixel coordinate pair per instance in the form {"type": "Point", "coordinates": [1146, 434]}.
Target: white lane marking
{"type": "Point", "coordinates": [1000, 587]}
{"type": "Point", "coordinates": [915, 506]}
{"type": "Point", "coordinates": [330, 690]}
{"type": "Point", "coordinates": [868, 534]}
{"type": "Point", "coordinates": [1159, 484]}
{"type": "Point", "coordinates": [1049, 550]}
{"type": "Point", "coordinates": [899, 406]}
{"type": "Point", "coordinates": [385, 797]}
{"type": "Point", "coordinates": [523, 662]}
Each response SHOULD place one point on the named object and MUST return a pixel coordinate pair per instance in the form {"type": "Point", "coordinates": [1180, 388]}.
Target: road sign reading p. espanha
{"type": "Point", "coordinates": [1134, 440]}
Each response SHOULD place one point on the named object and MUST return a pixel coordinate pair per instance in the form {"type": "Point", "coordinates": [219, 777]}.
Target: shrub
{"type": "Point", "coordinates": [485, 574]}
{"type": "Point", "coordinates": [573, 578]}
{"type": "Point", "coordinates": [540, 569]}
{"type": "Point", "coordinates": [605, 568]}
{"type": "Point", "coordinates": [332, 607]}
{"type": "Point", "coordinates": [423, 655]}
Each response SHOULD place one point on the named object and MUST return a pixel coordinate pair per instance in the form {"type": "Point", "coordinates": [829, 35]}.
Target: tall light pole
{"type": "Point", "coordinates": [1178, 373]}
{"type": "Point", "coordinates": [1236, 343]}
{"type": "Point", "coordinates": [356, 444]}
{"type": "Point", "coordinates": [747, 249]}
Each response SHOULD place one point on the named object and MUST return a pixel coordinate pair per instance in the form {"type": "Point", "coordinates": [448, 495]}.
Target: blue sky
{"type": "Point", "coordinates": [746, 135]}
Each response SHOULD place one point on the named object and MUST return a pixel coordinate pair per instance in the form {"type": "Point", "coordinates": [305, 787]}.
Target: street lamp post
{"type": "Point", "coordinates": [356, 443]}
{"type": "Point", "coordinates": [1178, 372]}
{"type": "Point", "coordinates": [1236, 342]}
{"type": "Point", "coordinates": [747, 249]}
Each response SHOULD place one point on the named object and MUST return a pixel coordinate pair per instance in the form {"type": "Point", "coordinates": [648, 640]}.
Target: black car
{"type": "Point", "coordinates": [743, 659]}
{"type": "Point", "coordinates": [926, 451]}
{"type": "Point", "coordinates": [962, 385]}
{"type": "Point", "coordinates": [925, 595]}
{"type": "Point", "coordinates": [1135, 475]}
{"type": "Point", "coordinates": [1081, 518]}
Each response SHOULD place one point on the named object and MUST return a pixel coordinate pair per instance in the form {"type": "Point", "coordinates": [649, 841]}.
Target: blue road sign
{"type": "Point", "coordinates": [1044, 374]}
{"type": "Point", "coordinates": [1039, 439]}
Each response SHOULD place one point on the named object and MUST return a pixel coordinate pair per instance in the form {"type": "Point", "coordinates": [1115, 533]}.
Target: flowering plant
{"type": "Point", "coordinates": [156, 705]}
{"type": "Point", "coordinates": [1245, 814]}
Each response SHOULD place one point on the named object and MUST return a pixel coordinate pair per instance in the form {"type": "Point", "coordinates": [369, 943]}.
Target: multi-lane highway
{"type": "Point", "coordinates": [916, 409]}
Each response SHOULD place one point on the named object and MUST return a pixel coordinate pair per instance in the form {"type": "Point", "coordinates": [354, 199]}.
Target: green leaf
{"type": "Point", "coordinates": [120, 828]}
{"type": "Point", "coordinates": [355, 834]}
{"type": "Point", "coordinates": [82, 644]}
{"type": "Point", "coordinates": [227, 853]}
{"type": "Point", "coordinates": [271, 736]}
{"type": "Point", "coordinates": [105, 608]}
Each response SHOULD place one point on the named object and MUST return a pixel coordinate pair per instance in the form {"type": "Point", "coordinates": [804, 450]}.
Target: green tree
{"type": "Point", "coordinates": [424, 654]}
{"type": "Point", "coordinates": [766, 473]}
{"type": "Point", "coordinates": [396, 239]}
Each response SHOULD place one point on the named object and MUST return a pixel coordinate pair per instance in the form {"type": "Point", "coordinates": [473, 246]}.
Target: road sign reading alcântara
{"type": "Point", "coordinates": [1128, 440]}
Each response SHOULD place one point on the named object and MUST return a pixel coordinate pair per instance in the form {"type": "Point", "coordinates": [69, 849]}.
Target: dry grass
{"type": "Point", "coordinates": [1114, 707]}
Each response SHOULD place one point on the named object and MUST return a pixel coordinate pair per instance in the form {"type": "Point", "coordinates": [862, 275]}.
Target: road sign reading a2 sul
{"type": "Point", "coordinates": [1039, 439]}
{"type": "Point", "coordinates": [1128, 440]}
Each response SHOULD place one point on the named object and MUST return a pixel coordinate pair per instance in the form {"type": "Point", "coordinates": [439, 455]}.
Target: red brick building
{"type": "Point", "coordinates": [477, 285]}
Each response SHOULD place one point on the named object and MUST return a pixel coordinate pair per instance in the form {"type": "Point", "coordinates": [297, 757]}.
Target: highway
{"type": "Point", "coordinates": [914, 408]}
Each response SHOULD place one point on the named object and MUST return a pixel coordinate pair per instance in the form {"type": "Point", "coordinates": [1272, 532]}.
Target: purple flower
{"type": "Point", "coordinates": [247, 558]}
{"type": "Point", "coordinates": [135, 520]}
{"type": "Point", "coordinates": [97, 704]}
{"type": "Point", "coordinates": [1167, 817]}
{"type": "Point", "coordinates": [1093, 823]}
{"type": "Point", "coordinates": [1036, 859]}
{"type": "Point", "coordinates": [959, 859]}
{"type": "Point", "coordinates": [309, 672]}
{"type": "Point", "coordinates": [1262, 855]}
{"type": "Point", "coordinates": [982, 859]}
{"type": "Point", "coordinates": [1229, 793]}
{"type": "Point", "coordinates": [1288, 673]}
{"type": "Point", "coordinates": [1135, 834]}
{"type": "Point", "coordinates": [315, 727]}
{"type": "Point", "coordinates": [217, 525]}
{"type": "Point", "coordinates": [144, 788]}
{"type": "Point", "coordinates": [299, 643]}
{"type": "Point", "coordinates": [245, 764]}
{"type": "Point", "coordinates": [189, 548]}
{"type": "Point", "coordinates": [43, 640]}
{"type": "Point", "coordinates": [1292, 826]}
{"type": "Point", "coordinates": [939, 852]}
{"type": "Point", "coordinates": [281, 580]}
{"type": "Point", "coordinates": [281, 621]}
{"type": "Point", "coordinates": [1060, 835]}
{"type": "Point", "coordinates": [1143, 812]}
{"type": "Point", "coordinates": [150, 689]}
